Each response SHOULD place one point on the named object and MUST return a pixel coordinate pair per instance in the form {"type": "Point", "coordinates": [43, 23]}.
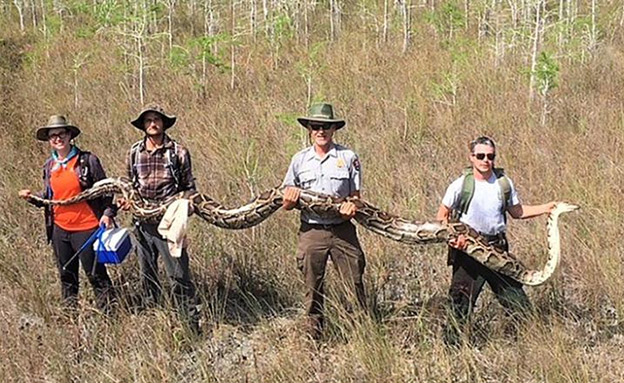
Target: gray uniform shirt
{"type": "Point", "coordinates": [338, 174]}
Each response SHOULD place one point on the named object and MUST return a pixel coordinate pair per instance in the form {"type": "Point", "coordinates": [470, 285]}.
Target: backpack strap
{"type": "Point", "coordinates": [468, 187]}
{"type": "Point", "coordinates": [505, 187]}
{"type": "Point", "coordinates": [467, 190]}
{"type": "Point", "coordinates": [173, 163]}
{"type": "Point", "coordinates": [135, 150]}
{"type": "Point", "coordinates": [47, 170]}
{"type": "Point", "coordinates": [84, 170]}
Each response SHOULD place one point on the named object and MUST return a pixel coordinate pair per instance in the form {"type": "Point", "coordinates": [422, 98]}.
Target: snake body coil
{"type": "Point", "coordinates": [368, 215]}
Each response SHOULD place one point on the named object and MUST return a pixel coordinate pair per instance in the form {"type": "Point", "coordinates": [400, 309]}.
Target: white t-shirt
{"type": "Point", "coordinates": [484, 212]}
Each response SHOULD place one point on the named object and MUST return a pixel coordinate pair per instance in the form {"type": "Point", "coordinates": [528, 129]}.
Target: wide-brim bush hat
{"type": "Point", "coordinates": [55, 122]}
{"type": "Point", "coordinates": [323, 113]}
{"type": "Point", "coordinates": [168, 120]}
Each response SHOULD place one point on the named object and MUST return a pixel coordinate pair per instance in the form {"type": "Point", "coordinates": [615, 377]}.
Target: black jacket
{"type": "Point", "coordinates": [88, 170]}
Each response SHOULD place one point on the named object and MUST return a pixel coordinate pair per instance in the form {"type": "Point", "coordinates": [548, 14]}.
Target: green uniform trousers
{"type": "Point", "coordinates": [316, 244]}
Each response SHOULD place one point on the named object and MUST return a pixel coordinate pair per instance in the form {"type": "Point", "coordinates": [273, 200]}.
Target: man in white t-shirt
{"type": "Point", "coordinates": [483, 205]}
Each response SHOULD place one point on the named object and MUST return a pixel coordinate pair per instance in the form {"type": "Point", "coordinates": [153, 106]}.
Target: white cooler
{"type": "Point", "coordinates": [113, 245]}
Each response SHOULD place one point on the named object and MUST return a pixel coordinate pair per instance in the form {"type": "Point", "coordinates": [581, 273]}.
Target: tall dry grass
{"type": "Point", "coordinates": [411, 133]}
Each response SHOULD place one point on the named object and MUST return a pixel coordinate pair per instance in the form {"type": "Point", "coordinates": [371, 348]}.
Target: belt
{"type": "Point", "coordinates": [321, 226]}
{"type": "Point", "coordinates": [492, 238]}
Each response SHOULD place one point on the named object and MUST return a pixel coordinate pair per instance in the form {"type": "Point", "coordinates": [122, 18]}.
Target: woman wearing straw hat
{"type": "Point", "coordinates": [328, 168]}
{"type": "Point", "coordinates": [66, 173]}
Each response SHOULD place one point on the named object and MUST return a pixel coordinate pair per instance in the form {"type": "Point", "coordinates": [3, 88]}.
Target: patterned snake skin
{"type": "Point", "coordinates": [369, 216]}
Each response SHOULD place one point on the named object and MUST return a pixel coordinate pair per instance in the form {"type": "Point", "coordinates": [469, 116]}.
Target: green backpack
{"type": "Point", "coordinates": [468, 187]}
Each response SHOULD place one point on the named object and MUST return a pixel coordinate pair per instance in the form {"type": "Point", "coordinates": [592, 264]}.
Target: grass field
{"type": "Point", "coordinates": [237, 83]}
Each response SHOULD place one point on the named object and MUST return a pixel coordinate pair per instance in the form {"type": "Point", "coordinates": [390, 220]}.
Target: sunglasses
{"type": "Point", "coordinates": [481, 156]}
{"type": "Point", "coordinates": [317, 127]}
{"type": "Point", "coordinates": [58, 136]}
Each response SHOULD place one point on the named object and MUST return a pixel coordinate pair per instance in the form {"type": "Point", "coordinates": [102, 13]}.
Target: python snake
{"type": "Point", "coordinates": [367, 215]}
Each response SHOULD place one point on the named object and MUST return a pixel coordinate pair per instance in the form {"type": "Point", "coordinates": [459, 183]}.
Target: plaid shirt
{"type": "Point", "coordinates": [155, 179]}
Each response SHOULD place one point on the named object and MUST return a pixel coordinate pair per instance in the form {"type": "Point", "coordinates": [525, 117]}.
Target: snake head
{"type": "Point", "coordinates": [563, 207]}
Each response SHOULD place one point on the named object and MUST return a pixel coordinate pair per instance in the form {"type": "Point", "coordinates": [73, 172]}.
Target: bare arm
{"type": "Point", "coordinates": [444, 213]}
{"type": "Point", "coordinates": [529, 211]}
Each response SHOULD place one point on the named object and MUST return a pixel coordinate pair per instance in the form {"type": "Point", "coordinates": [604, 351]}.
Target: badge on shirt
{"type": "Point", "coordinates": [340, 163]}
{"type": "Point", "coordinates": [356, 164]}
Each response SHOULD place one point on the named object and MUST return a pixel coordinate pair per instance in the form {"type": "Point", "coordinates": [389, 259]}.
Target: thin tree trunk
{"type": "Point", "coordinates": [170, 23]}
{"type": "Point", "coordinates": [534, 50]}
{"type": "Point", "coordinates": [331, 20]}
{"type": "Point", "coordinates": [154, 22]}
{"type": "Point", "coordinates": [209, 18]}
{"type": "Point", "coordinates": [61, 20]}
{"type": "Point", "coordinates": [141, 69]}
{"type": "Point", "coordinates": [233, 48]}
{"type": "Point", "coordinates": [305, 22]}
{"type": "Point", "coordinates": [208, 32]}
{"type": "Point", "coordinates": [140, 31]}
{"type": "Point", "coordinates": [33, 11]}
{"type": "Point", "coordinates": [594, 38]}
{"type": "Point", "coordinates": [20, 11]}
{"type": "Point", "coordinates": [80, 59]}
{"type": "Point", "coordinates": [405, 10]}
{"type": "Point", "coordinates": [513, 9]}
{"type": "Point", "coordinates": [43, 21]}
{"type": "Point", "coordinates": [498, 40]}
{"type": "Point", "coordinates": [561, 24]}
{"type": "Point", "coordinates": [545, 107]}
{"type": "Point", "coordinates": [337, 17]}
{"type": "Point", "coordinates": [192, 7]}
{"type": "Point", "coordinates": [252, 19]}
{"type": "Point", "coordinates": [127, 45]}
{"type": "Point", "coordinates": [385, 23]}
{"type": "Point", "coordinates": [527, 18]}
{"type": "Point", "coordinates": [265, 15]}
{"type": "Point", "coordinates": [309, 84]}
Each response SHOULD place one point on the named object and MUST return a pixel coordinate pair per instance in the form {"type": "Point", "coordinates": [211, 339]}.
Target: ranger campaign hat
{"type": "Point", "coordinates": [323, 113]}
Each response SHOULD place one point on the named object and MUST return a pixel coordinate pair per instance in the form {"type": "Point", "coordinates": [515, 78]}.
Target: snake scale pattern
{"type": "Point", "coordinates": [368, 215]}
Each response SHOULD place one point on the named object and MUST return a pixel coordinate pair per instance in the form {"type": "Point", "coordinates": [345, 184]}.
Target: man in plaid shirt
{"type": "Point", "coordinates": [160, 168]}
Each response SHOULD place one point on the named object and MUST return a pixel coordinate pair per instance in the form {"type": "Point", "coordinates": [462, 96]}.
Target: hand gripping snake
{"type": "Point", "coordinates": [367, 215]}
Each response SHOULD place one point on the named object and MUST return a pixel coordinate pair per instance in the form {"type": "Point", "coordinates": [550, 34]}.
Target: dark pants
{"type": "Point", "coordinates": [150, 244]}
{"type": "Point", "coordinates": [66, 244]}
{"type": "Point", "coordinates": [316, 244]}
{"type": "Point", "coordinates": [468, 279]}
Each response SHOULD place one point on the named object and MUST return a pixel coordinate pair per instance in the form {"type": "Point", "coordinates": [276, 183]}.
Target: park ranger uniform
{"type": "Point", "coordinates": [337, 174]}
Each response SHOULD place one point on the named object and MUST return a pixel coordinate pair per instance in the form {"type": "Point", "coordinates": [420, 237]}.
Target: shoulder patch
{"type": "Point", "coordinates": [356, 164]}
